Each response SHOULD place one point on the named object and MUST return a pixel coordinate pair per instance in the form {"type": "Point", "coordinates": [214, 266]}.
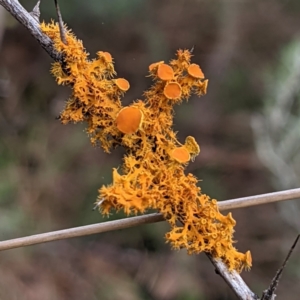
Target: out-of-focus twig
{"type": "Point", "coordinates": [269, 294]}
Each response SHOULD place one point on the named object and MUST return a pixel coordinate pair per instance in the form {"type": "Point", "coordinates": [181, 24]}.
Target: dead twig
{"type": "Point", "coordinates": [60, 23]}
{"type": "Point", "coordinates": [140, 220]}
{"type": "Point", "coordinates": [80, 231]}
{"type": "Point", "coordinates": [260, 199]}
{"type": "Point", "coordinates": [269, 294]}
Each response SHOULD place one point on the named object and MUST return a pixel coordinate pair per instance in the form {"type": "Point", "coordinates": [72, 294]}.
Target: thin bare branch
{"type": "Point", "coordinates": [145, 219]}
{"type": "Point", "coordinates": [25, 18]}
{"type": "Point", "coordinates": [269, 294]}
{"type": "Point", "coordinates": [80, 231]}
{"type": "Point", "coordinates": [60, 23]}
{"type": "Point", "coordinates": [260, 199]}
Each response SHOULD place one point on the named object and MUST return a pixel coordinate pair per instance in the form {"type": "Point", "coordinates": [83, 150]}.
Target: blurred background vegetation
{"type": "Point", "coordinates": [247, 126]}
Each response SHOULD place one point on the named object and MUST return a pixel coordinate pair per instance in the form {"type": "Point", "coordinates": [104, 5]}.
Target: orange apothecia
{"type": "Point", "coordinates": [195, 71]}
{"type": "Point", "coordinates": [106, 55]}
{"type": "Point", "coordinates": [122, 84]}
{"type": "Point", "coordinates": [180, 154]}
{"type": "Point", "coordinates": [172, 90]}
{"type": "Point", "coordinates": [129, 119]}
{"type": "Point", "coordinates": [165, 72]}
{"type": "Point", "coordinates": [153, 173]}
{"type": "Point", "coordinates": [154, 65]}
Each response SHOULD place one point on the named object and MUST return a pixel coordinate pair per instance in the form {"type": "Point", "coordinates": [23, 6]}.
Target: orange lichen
{"type": "Point", "coordinates": [129, 119]}
{"type": "Point", "coordinates": [165, 72]}
{"type": "Point", "coordinates": [154, 65]}
{"type": "Point", "coordinates": [172, 90]}
{"type": "Point", "coordinates": [180, 154]}
{"type": "Point", "coordinates": [106, 55]}
{"type": "Point", "coordinates": [191, 145]}
{"type": "Point", "coordinates": [122, 84]}
{"type": "Point", "coordinates": [150, 177]}
{"type": "Point", "coordinates": [195, 71]}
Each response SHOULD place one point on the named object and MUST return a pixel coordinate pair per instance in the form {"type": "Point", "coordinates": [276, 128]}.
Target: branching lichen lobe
{"type": "Point", "coordinates": [152, 174]}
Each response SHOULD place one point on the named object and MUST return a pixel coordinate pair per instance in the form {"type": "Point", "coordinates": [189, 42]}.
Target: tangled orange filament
{"type": "Point", "coordinates": [152, 175]}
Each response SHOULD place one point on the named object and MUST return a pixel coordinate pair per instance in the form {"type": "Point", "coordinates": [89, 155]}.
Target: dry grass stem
{"type": "Point", "coordinates": [140, 220]}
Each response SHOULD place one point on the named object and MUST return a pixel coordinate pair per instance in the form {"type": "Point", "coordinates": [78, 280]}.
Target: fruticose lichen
{"type": "Point", "coordinates": [153, 171]}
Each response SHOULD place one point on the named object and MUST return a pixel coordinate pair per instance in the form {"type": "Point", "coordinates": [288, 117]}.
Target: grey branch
{"type": "Point", "coordinates": [33, 26]}
{"type": "Point", "coordinates": [233, 279]}
{"type": "Point", "coordinates": [36, 12]}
